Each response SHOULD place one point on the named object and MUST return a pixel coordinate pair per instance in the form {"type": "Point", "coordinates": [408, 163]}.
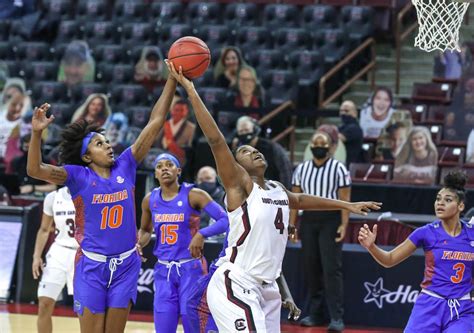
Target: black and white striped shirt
{"type": "Point", "coordinates": [324, 180]}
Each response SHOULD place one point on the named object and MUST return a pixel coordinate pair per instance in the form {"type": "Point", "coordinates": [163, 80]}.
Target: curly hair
{"type": "Point", "coordinates": [455, 182]}
{"type": "Point", "coordinates": [71, 143]}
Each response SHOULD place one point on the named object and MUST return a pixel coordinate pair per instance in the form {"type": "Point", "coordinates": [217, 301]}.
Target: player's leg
{"type": "Point", "coordinates": [271, 306]}
{"type": "Point", "coordinates": [465, 322]}
{"type": "Point", "coordinates": [190, 272]}
{"type": "Point", "coordinates": [166, 299]}
{"type": "Point", "coordinates": [426, 315]}
{"type": "Point", "coordinates": [235, 306]}
{"type": "Point", "coordinates": [116, 319]}
{"type": "Point", "coordinates": [45, 312]}
{"type": "Point", "coordinates": [91, 322]}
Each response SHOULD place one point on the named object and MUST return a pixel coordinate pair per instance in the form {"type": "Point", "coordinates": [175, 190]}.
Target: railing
{"type": "Point", "coordinates": [368, 43]}
{"type": "Point", "coordinates": [289, 131]}
{"type": "Point", "coordinates": [400, 36]}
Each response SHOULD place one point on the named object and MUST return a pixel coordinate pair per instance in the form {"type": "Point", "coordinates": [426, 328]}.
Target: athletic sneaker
{"type": "Point", "coordinates": [336, 325]}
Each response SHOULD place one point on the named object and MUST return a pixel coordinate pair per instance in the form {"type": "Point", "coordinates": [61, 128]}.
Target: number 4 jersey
{"type": "Point", "coordinates": [59, 205]}
{"type": "Point", "coordinates": [259, 232]}
{"type": "Point", "coordinates": [448, 260]}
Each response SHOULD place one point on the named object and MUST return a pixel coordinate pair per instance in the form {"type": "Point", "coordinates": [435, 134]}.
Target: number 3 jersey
{"type": "Point", "coordinates": [105, 207]}
{"type": "Point", "coordinates": [448, 260]}
{"type": "Point", "coordinates": [175, 223]}
{"type": "Point", "coordinates": [59, 205]}
{"type": "Point", "coordinates": [259, 232]}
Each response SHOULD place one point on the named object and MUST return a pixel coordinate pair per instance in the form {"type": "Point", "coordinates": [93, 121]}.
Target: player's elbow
{"type": "Point", "coordinates": [32, 170]}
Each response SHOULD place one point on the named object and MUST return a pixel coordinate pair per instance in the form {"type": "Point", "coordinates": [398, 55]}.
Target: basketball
{"type": "Point", "coordinates": [192, 54]}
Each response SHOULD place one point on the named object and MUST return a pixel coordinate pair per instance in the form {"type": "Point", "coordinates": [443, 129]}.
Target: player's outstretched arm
{"type": "Point", "coordinates": [35, 166]}
{"type": "Point", "coordinates": [385, 258]}
{"type": "Point", "coordinates": [157, 118]}
{"type": "Point", "coordinates": [41, 239]}
{"type": "Point", "coordinates": [146, 225]}
{"type": "Point", "coordinates": [233, 176]}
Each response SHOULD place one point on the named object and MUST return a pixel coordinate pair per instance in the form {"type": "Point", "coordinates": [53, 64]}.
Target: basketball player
{"type": "Point", "coordinates": [243, 294]}
{"type": "Point", "coordinates": [58, 270]}
{"type": "Point", "coordinates": [102, 189]}
{"type": "Point", "coordinates": [444, 304]}
{"type": "Point", "coordinates": [174, 210]}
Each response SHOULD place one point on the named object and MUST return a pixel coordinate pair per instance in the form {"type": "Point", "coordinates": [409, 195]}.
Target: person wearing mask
{"type": "Point", "coordinates": [206, 180]}
{"type": "Point", "coordinates": [376, 115]}
{"type": "Point", "coordinates": [350, 132]}
{"type": "Point", "coordinates": [279, 165]}
{"type": "Point", "coordinates": [227, 67]}
{"type": "Point", "coordinates": [337, 149]}
{"type": "Point", "coordinates": [322, 232]}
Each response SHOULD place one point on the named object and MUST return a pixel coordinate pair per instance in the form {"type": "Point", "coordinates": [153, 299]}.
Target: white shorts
{"type": "Point", "coordinates": [58, 271]}
{"type": "Point", "coordinates": [239, 303]}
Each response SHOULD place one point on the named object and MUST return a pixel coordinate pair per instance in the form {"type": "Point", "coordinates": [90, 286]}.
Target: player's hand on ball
{"type": "Point", "coordinates": [366, 237]}
{"type": "Point", "coordinates": [37, 267]}
{"type": "Point", "coordinates": [177, 74]}
{"type": "Point", "coordinates": [196, 245]}
{"type": "Point", "coordinates": [295, 312]}
{"type": "Point", "coordinates": [39, 121]}
{"type": "Point", "coordinates": [364, 207]}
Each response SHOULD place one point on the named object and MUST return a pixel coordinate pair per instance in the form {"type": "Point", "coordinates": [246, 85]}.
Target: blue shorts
{"type": "Point", "coordinates": [433, 315]}
{"type": "Point", "coordinates": [199, 315]}
{"type": "Point", "coordinates": [91, 284]}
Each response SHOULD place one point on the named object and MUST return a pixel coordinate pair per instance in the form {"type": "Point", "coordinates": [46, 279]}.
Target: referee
{"type": "Point", "coordinates": [322, 232]}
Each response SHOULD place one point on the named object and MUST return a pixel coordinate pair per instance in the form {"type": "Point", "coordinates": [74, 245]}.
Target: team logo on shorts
{"type": "Point", "coordinates": [120, 180]}
{"type": "Point", "coordinates": [240, 324]}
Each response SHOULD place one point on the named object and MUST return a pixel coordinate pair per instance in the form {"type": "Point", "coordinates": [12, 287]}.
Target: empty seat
{"type": "Point", "coordinates": [265, 59]}
{"type": "Point", "coordinates": [166, 12]}
{"type": "Point", "coordinates": [101, 32]}
{"type": "Point", "coordinates": [451, 156]}
{"type": "Point", "coordinates": [119, 73]}
{"type": "Point", "coordinates": [213, 97]}
{"type": "Point", "coordinates": [14, 68]}
{"type": "Point", "coordinates": [129, 94]}
{"type": "Point", "coordinates": [138, 33]}
{"type": "Point", "coordinates": [138, 115]}
{"type": "Point", "coordinates": [80, 92]}
{"type": "Point", "coordinates": [130, 11]}
{"type": "Point", "coordinates": [110, 53]}
{"type": "Point", "coordinates": [418, 111]}
{"type": "Point", "coordinates": [280, 86]}
{"type": "Point", "coordinates": [337, 2]}
{"type": "Point", "coordinates": [4, 29]}
{"type": "Point", "coordinates": [227, 120]}
{"type": "Point", "coordinates": [205, 80]}
{"type": "Point", "coordinates": [368, 150]}
{"type": "Point", "coordinates": [308, 65]}
{"type": "Point", "coordinates": [61, 8]}
{"type": "Point", "coordinates": [6, 51]}
{"type": "Point", "coordinates": [92, 10]}
{"type": "Point", "coordinates": [50, 91]}
{"type": "Point", "coordinates": [280, 15]}
{"type": "Point", "coordinates": [252, 38]}
{"type": "Point", "coordinates": [370, 173]}
{"type": "Point", "coordinates": [69, 30]}
{"type": "Point", "coordinates": [16, 31]}
{"type": "Point", "coordinates": [169, 33]}
{"type": "Point", "coordinates": [468, 170]}
{"type": "Point", "coordinates": [289, 39]}
{"type": "Point", "coordinates": [358, 22]}
{"type": "Point", "coordinates": [41, 70]}
{"type": "Point", "coordinates": [241, 14]}
{"type": "Point", "coordinates": [436, 132]}
{"type": "Point", "coordinates": [319, 17]}
{"type": "Point", "coordinates": [32, 51]}
{"type": "Point", "coordinates": [216, 36]}
{"type": "Point", "coordinates": [203, 13]}
{"type": "Point", "coordinates": [436, 114]}
{"type": "Point", "coordinates": [332, 43]}
{"type": "Point", "coordinates": [62, 113]}
{"type": "Point", "coordinates": [432, 93]}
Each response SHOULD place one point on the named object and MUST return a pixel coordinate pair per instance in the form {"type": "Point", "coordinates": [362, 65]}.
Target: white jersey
{"type": "Point", "coordinates": [259, 232]}
{"type": "Point", "coordinates": [59, 205]}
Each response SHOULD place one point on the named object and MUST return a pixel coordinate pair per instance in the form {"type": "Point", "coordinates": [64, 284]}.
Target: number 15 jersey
{"type": "Point", "coordinates": [259, 232]}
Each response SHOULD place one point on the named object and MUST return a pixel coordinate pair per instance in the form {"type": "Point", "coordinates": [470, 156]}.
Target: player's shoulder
{"type": "Point", "coordinates": [469, 226]}
{"type": "Point", "coordinates": [51, 195]}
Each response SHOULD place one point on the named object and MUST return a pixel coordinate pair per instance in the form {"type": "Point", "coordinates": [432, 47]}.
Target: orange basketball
{"type": "Point", "coordinates": [192, 54]}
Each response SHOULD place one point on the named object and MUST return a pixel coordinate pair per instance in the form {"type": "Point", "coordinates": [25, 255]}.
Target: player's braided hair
{"type": "Point", "coordinates": [71, 144]}
{"type": "Point", "coordinates": [455, 181]}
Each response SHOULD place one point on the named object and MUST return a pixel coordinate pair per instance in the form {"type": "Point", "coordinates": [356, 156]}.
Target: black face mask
{"type": "Point", "coordinates": [244, 139]}
{"type": "Point", "coordinates": [320, 152]}
{"type": "Point", "coordinates": [208, 187]}
{"type": "Point", "coordinates": [346, 118]}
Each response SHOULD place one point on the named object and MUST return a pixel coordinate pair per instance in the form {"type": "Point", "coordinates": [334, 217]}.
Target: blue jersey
{"type": "Point", "coordinates": [175, 223]}
{"type": "Point", "coordinates": [448, 260]}
{"type": "Point", "coordinates": [105, 208]}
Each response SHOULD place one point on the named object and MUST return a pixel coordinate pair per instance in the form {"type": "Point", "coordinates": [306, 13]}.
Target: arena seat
{"type": "Point", "coordinates": [332, 43]}
{"type": "Point", "coordinates": [436, 132]}
{"type": "Point", "coordinates": [88, 10]}
{"type": "Point", "coordinates": [199, 13]}
{"type": "Point", "coordinates": [41, 70]}
{"type": "Point", "coordinates": [63, 9]}
{"type": "Point", "coordinates": [252, 38]}
{"type": "Point", "coordinates": [138, 115]}
{"type": "Point", "coordinates": [80, 92]}
{"type": "Point", "coordinates": [436, 114]}
{"type": "Point", "coordinates": [32, 51]}
{"type": "Point", "coordinates": [267, 59]}
{"type": "Point", "coordinates": [62, 113]}
{"type": "Point", "coordinates": [315, 17]}
{"type": "Point", "coordinates": [280, 15]}
{"type": "Point", "coordinates": [237, 15]}
{"type": "Point", "coordinates": [50, 91]}
{"type": "Point", "coordinates": [215, 36]}
{"type": "Point", "coordinates": [451, 156]}
{"type": "Point", "coordinates": [418, 111]}
{"type": "Point", "coordinates": [338, 2]}
{"type": "Point", "coordinates": [289, 39]}
{"type": "Point", "coordinates": [138, 33]}
{"type": "Point", "coordinates": [126, 11]}
{"type": "Point", "coordinates": [4, 29]}
{"type": "Point", "coordinates": [6, 51]}
{"type": "Point", "coordinates": [101, 32]}
{"type": "Point", "coordinates": [431, 93]}
{"type": "Point", "coordinates": [370, 173]}
{"type": "Point", "coordinates": [308, 65]}
{"type": "Point", "coordinates": [205, 80]}
{"type": "Point", "coordinates": [280, 86]}
{"type": "Point", "coordinates": [167, 34]}
{"type": "Point", "coordinates": [129, 94]}
{"type": "Point", "coordinates": [166, 12]}
{"type": "Point", "coordinates": [69, 30]}
{"type": "Point", "coordinates": [227, 120]}
{"type": "Point", "coordinates": [213, 97]}
{"type": "Point", "coordinates": [118, 73]}
{"type": "Point", "coordinates": [110, 53]}
{"type": "Point", "coordinates": [467, 169]}
{"type": "Point", "coordinates": [14, 68]}
{"type": "Point", "coordinates": [357, 21]}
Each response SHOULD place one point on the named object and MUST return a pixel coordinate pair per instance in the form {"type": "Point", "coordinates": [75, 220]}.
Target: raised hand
{"type": "Point", "coordinates": [366, 237]}
{"type": "Point", "coordinates": [363, 207]}
{"type": "Point", "coordinates": [178, 76]}
{"type": "Point", "coordinates": [40, 121]}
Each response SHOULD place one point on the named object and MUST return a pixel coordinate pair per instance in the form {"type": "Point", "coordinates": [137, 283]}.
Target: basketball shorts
{"type": "Point", "coordinates": [238, 302]}
{"type": "Point", "coordinates": [434, 315]}
{"type": "Point", "coordinates": [58, 271]}
{"type": "Point", "coordinates": [110, 282]}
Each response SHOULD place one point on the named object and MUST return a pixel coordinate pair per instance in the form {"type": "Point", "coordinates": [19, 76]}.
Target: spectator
{"type": "Point", "coordinates": [116, 128]}
{"type": "Point", "coordinates": [227, 67]}
{"type": "Point", "coordinates": [178, 132]}
{"type": "Point", "coordinates": [77, 64]}
{"type": "Point", "coordinates": [13, 87]}
{"type": "Point", "coordinates": [9, 120]}
{"type": "Point", "coordinates": [375, 116]}
{"type": "Point", "coordinates": [29, 185]}
{"type": "Point", "coordinates": [390, 144]}
{"type": "Point", "coordinates": [337, 149]}
{"type": "Point", "coordinates": [418, 158]}
{"type": "Point", "coordinates": [470, 148]}
{"type": "Point", "coordinates": [350, 132]}
{"type": "Point", "coordinates": [95, 109]}
{"type": "Point", "coordinates": [206, 180]}
{"type": "Point", "coordinates": [150, 70]}
{"type": "Point", "coordinates": [279, 166]}
{"type": "Point", "coordinates": [322, 232]}
{"type": "Point", "coordinates": [249, 93]}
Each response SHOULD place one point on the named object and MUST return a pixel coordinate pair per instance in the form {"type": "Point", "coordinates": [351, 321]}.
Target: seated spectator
{"type": "Point", "coordinates": [350, 132]}
{"type": "Point", "coordinates": [337, 149]}
{"type": "Point", "coordinates": [29, 185]}
{"type": "Point", "coordinates": [9, 120]}
{"type": "Point", "coordinates": [77, 64]}
{"type": "Point", "coordinates": [249, 93]}
{"type": "Point", "coordinates": [178, 132]}
{"type": "Point", "coordinates": [418, 159]}
{"type": "Point", "coordinates": [150, 70]}
{"type": "Point", "coordinates": [206, 180]}
{"type": "Point", "coordinates": [470, 148]}
{"type": "Point", "coordinates": [279, 165]}
{"type": "Point", "coordinates": [13, 87]}
{"type": "Point", "coordinates": [4, 197]}
{"type": "Point", "coordinates": [375, 116]}
{"type": "Point", "coordinates": [227, 67]}
{"type": "Point", "coordinates": [116, 128]}
{"type": "Point", "coordinates": [390, 144]}
{"type": "Point", "coordinates": [95, 109]}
